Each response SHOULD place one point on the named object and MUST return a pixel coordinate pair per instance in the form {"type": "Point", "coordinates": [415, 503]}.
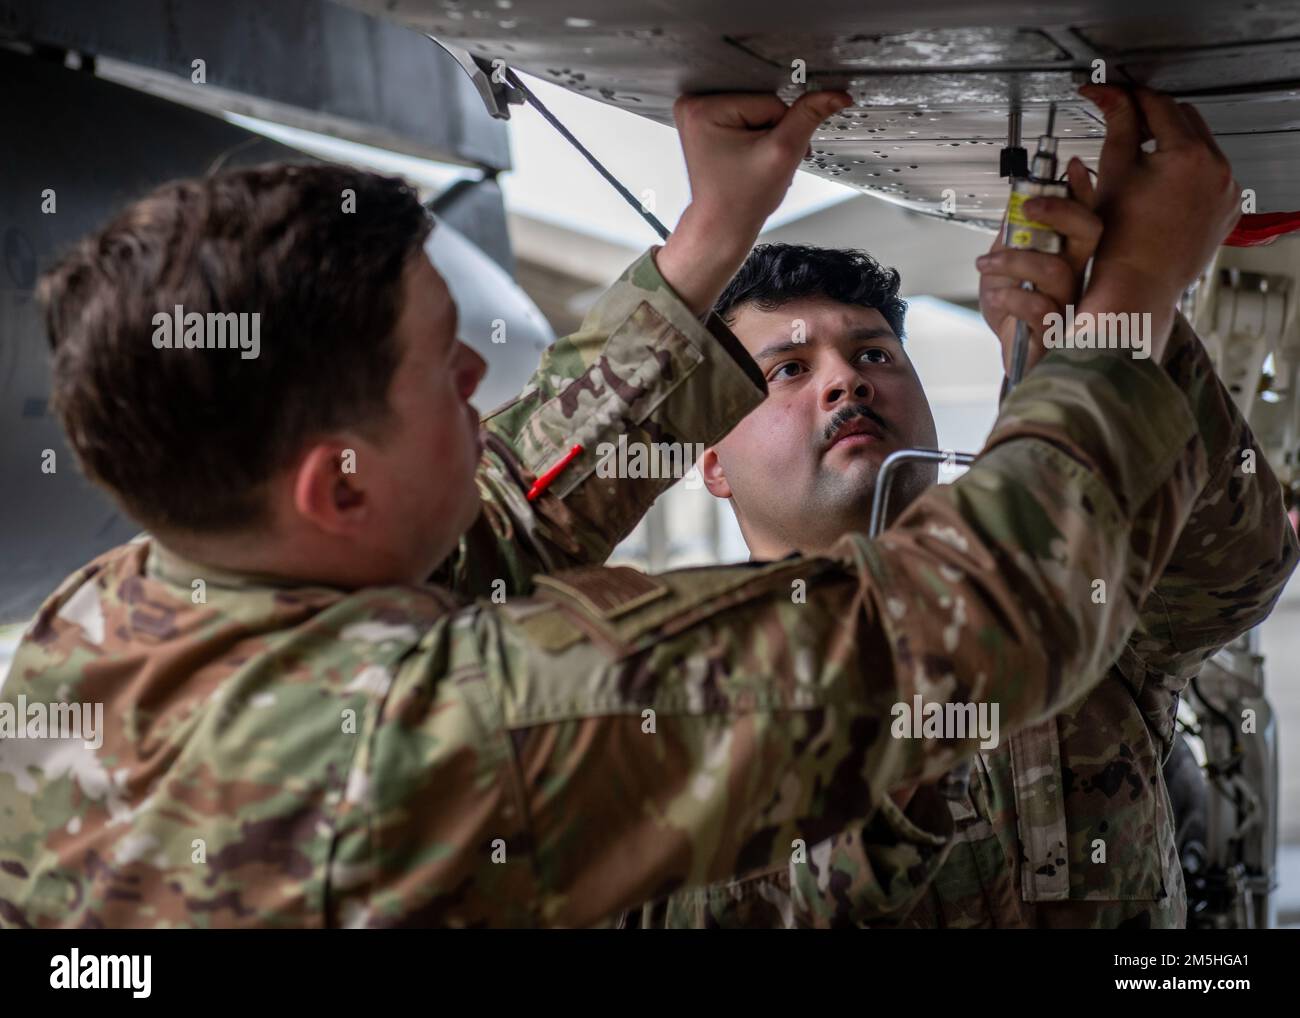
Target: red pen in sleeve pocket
{"type": "Point", "coordinates": [544, 482]}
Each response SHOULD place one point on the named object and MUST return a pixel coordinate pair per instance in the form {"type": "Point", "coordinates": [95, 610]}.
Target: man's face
{"type": "Point", "coordinates": [802, 467]}
{"type": "Point", "coordinates": [426, 492]}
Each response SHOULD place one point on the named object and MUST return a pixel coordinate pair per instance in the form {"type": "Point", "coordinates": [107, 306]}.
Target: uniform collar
{"type": "Point", "coordinates": [170, 567]}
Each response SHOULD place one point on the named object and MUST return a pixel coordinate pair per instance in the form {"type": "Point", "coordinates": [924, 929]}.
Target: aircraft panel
{"type": "Point", "coordinates": [933, 81]}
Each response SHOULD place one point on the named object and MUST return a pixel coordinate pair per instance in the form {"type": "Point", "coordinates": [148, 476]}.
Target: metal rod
{"type": "Point", "coordinates": [551, 119]}
{"type": "Point", "coordinates": [1019, 349]}
{"type": "Point", "coordinates": [889, 469]}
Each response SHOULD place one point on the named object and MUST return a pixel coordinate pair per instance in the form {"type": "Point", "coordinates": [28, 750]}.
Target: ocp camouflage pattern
{"type": "Point", "coordinates": [1068, 823]}
{"type": "Point", "coordinates": [282, 755]}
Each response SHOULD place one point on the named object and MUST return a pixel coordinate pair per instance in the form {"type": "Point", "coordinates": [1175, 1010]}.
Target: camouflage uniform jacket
{"type": "Point", "coordinates": [1068, 823]}
{"type": "Point", "coordinates": [289, 755]}
{"type": "Point", "coordinates": [513, 541]}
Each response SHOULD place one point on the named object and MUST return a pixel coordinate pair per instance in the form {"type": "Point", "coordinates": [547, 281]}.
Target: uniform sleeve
{"type": "Point", "coordinates": [561, 759]}
{"type": "Point", "coordinates": [642, 368]}
{"type": "Point", "coordinates": [1238, 549]}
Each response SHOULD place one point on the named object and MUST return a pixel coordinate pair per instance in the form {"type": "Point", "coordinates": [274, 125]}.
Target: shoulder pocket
{"type": "Point", "coordinates": [643, 361]}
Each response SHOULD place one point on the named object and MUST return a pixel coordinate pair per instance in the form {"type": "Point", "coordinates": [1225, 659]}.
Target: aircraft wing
{"type": "Point", "coordinates": [934, 80]}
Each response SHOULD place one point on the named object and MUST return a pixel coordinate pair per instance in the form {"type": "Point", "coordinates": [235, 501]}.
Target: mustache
{"type": "Point", "coordinates": [846, 413]}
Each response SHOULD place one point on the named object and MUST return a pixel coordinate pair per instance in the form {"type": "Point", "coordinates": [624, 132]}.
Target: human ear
{"type": "Point", "coordinates": [329, 490]}
{"type": "Point", "coordinates": [715, 479]}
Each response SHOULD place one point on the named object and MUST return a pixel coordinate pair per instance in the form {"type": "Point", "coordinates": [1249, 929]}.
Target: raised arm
{"type": "Point", "coordinates": [623, 736]}
{"type": "Point", "coordinates": [643, 368]}
{"type": "Point", "coordinates": [1238, 548]}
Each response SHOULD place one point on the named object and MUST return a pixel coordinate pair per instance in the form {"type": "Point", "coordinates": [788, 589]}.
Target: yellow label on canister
{"type": "Point", "coordinates": [1028, 234]}
{"type": "Point", "coordinates": [1016, 213]}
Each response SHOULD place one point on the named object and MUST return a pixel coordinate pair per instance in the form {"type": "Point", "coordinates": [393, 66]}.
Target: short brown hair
{"type": "Point", "coordinates": [185, 439]}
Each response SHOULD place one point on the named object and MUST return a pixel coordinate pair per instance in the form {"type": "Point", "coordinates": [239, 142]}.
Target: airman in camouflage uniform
{"type": "Point", "coordinates": [1071, 822]}
{"type": "Point", "coordinates": [287, 755]}
{"type": "Point", "coordinates": [291, 754]}
{"type": "Point", "coordinates": [1068, 823]}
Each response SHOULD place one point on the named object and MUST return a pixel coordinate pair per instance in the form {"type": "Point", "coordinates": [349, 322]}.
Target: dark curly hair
{"type": "Point", "coordinates": [775, 274]}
